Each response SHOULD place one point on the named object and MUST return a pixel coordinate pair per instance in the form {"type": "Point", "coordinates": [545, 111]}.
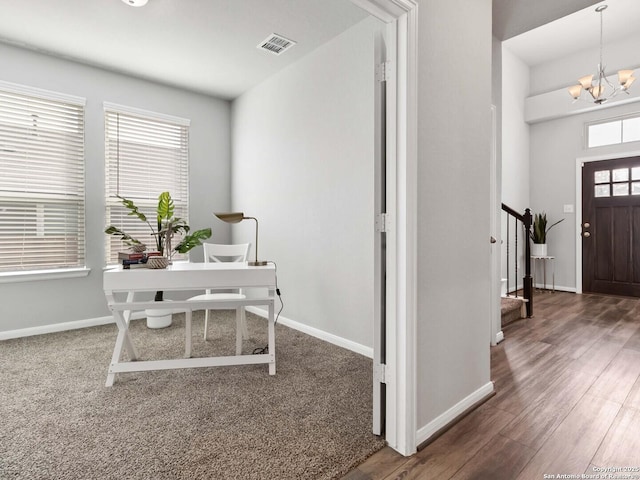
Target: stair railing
{"type": "Point", "coordinates": [521, 222]}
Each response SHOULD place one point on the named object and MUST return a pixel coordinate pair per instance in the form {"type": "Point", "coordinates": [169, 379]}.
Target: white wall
{"type": "Point", "coordinates": [303, 149]}
{"type": "Point", "coordinates": [515, 132]}
{"type": "Point", "coordinates": [31, 304]}
{"type": "Point", "coordinates": [454, 131]}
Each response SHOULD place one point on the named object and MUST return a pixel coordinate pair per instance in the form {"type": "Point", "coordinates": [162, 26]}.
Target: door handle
{"type": "Point", "coordinates": [586, 234]}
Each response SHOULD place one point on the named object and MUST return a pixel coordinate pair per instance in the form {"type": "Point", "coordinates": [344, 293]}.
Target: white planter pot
{"type": "Point", "coordinates": [539, 249]}
{"type": "Point", "coordinates": [159, 317]}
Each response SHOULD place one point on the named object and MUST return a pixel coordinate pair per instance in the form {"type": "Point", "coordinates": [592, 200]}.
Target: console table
{"type": "Point", "coordinates": [544, 260]}
{"type": "Point", "coordinates": [121, 287]}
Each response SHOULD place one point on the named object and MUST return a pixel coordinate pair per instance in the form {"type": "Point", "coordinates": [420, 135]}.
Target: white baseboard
{"type": "Point", "coordinates": [560, 288]}
{"type": "Point", "coordinates": [93, 322]}
{"type": "Point", "coordinates": [62, 327]}
{"type": "Point", "coordinates": [499, 337]}
{"type": "Point", "coordinates": [315, 332]}
{"type": "Point", "coordinates": [424, 433]}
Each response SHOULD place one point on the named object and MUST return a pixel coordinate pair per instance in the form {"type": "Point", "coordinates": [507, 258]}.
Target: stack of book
{"type": "Point", "coordinates": [135, 260]}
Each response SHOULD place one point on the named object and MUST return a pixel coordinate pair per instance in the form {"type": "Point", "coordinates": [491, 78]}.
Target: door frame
{"type": "Point", "coordinates": [578, 209]}
{"type": "Point", "coordinates": [400, 370]}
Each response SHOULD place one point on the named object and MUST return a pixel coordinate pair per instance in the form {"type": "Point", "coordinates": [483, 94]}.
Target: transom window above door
{"type": "Point", "coordinates": [613, 132]}
{"type": "Point", "coordinates": [617, 182]}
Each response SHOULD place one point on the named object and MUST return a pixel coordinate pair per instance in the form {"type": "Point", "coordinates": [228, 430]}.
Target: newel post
{"type": "Point", "coordinates": [528, 280]}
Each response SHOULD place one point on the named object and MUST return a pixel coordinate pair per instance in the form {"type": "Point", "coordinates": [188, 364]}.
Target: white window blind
{"type": "Point", "coordinates": [41, 180]}
{"type": "Point", "coordinates": [146, 154]}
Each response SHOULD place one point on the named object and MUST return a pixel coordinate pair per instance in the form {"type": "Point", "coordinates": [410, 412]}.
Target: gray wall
{"type": "Point", "coordinates": [303, 149]}
{"type": "Point", "coordinates": [31, 304]}
{"type": "Point", "coordinates": [454, 131]}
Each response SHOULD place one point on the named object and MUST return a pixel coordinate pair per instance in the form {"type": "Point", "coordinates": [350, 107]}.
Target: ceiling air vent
{"type": "Point", "coordinates": [276, 44]}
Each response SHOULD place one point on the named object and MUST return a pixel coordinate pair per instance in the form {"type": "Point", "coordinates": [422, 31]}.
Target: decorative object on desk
{"type": "Point", "coordinates": [237, 217]}
{"type": "Point", "coordinates": [539, 234]}
{"type": "Point", "coordinates": [157, 262]}
{"type": "Point", "coordinates": [139, 248]}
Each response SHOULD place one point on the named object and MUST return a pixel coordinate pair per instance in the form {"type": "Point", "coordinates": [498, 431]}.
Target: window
{"type": "Point", "coordinates": [41, 180]}
{"type": "Point", "coordinates": [613, 132]}
{"type": "Point", "coordinates": [146, 154]}
{"type": "Point", "coordinates": [617, 182]}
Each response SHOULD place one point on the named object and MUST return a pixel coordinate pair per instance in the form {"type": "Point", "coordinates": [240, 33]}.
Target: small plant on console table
{"type": "Point", "coordinates": [539, 233]}
{"type": "Point", "coordinates": [166, 227]}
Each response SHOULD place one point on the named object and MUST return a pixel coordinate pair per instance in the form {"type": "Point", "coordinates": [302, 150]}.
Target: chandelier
{"type": "Point", "coordinates": [598, 86]}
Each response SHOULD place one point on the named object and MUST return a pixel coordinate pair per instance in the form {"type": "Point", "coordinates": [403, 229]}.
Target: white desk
{"type": "Point", "coordinates": [121, 286]}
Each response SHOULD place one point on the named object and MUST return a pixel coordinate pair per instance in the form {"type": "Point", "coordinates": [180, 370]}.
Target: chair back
{"type": "Point", "coordinates": [216, 252]}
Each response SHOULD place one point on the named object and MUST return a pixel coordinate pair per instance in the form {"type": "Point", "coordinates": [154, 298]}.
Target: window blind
{"type": "Point", "coordinates": [146, 154]}
{"type": "Point", "coordinates": [42, 205]}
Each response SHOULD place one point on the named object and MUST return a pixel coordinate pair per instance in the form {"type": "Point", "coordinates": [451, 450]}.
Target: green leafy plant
{"type": "Point", "coordinates": [540, 229]}
{"type": "Point", "coordinates": [166, 227]}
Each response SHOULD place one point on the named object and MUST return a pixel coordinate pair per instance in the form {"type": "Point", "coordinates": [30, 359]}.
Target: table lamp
{"type": "Point", "coordinates": [237, 217]}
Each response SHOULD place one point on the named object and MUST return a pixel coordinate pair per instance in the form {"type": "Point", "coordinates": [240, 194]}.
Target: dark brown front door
{"type": "Point", "coordinates": [611, 227]}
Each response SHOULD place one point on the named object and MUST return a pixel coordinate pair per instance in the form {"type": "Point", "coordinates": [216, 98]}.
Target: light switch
{"type": "Point", "coordinates": [568, 208]}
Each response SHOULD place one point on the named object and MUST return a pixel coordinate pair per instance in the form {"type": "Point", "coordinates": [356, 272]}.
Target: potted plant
{"type": "Point", "coordinates": [166, 227]}
{"type": "Point", "coordinates": [539, 234]}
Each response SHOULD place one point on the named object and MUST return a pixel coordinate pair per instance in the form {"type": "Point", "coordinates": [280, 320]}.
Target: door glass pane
{"type": "Point", "coordinates": [609, 133]}
{"type": "Point", "coordinates": [631, 129]}
{"type": "Point", "coordinates": [602, 190]}
{"type": "Point", "coordinates": [620, 189]}
{"type": "Point", "coordinates": [621, 175]}
{"type": "Point", "coordinates": [602, 176]}
{"type": "Point", "coordinates": [635, 173]}
{"type": "Point", "coordinates": [635, 188]}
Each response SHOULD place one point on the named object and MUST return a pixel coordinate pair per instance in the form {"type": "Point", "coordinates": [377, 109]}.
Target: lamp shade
{"type": "Point", "coordinates": [233, 217]}
{"type": "Point", "coordinates": [575, 91]}
{"type": "Point", "coordinates": [586, 81]}
{"type": "Point", "coordinates": [624, 75]}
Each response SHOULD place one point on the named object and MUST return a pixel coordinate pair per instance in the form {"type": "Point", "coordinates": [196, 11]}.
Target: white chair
{"type": "Point", "coordinates": [214, 252]}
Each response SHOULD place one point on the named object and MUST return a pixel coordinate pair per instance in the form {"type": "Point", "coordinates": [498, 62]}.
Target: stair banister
{"type": "Point", "coordinates": [527, 281]}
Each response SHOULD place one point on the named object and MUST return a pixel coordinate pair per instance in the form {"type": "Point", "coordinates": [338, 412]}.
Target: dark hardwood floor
{"type": "Point", "coordinates": [567, 401]}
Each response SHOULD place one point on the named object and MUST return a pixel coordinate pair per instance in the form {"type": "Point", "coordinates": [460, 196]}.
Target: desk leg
{"type": "Point", "coordinates": [272, 338]}
{"type": "Point", "coordinates": [123, 340]}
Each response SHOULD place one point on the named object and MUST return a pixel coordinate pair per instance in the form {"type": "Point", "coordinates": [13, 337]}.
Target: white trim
{"type": "Point", "coordinates": [453, 413]}
{"type": "Point", "coordinates": [578, 221]}
{"type": "Point", "coordinates": [114, 107]}
{"type": "Point", "coordinates": [42, 93]}
{"type": "Point", "coordinates": [56, 327]}
{"type": "Point", "coordinates": [499, 337]}
{"type": "Point", "coordinates": [317, 333]}
{"type": "Point", "coordinates": [36, 275]}
{"type": "Point", "coordinates": [401, 323]}
{"type": "Point", "coordinates": [494, 216]}
{"type": "Point", "coordinates": [559, 288]}
{"type": "Point", "coordinates": [63, 327]}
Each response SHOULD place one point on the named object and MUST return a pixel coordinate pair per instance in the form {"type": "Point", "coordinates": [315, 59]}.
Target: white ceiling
{"type": "Point", "coordinates": [576, 32]}
{"type": "Point", "coordinates": [207, 46]}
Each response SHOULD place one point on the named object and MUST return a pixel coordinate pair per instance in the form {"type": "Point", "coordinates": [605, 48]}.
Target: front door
{"type": "Point", "coordinates": [611, 226]}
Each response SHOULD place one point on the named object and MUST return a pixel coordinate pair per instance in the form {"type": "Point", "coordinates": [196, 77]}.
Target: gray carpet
{"type": "Point", "coordinates": [312, 420]}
